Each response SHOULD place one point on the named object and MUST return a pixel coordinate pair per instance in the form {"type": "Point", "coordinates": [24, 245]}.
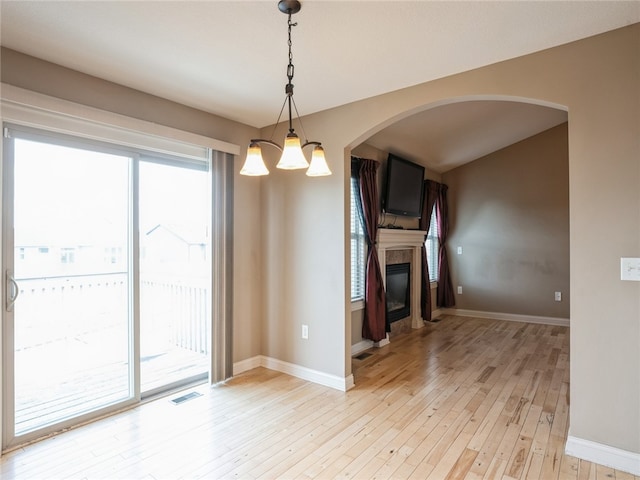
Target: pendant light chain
{"type": "Point", "coordinates": [292, 157]}
{"type": "Point", "coordinates": [290, 43]}
{"type": "Point", "coordinates": [290, 69]}
{"type": "Point", "coordinates": [289, 87]}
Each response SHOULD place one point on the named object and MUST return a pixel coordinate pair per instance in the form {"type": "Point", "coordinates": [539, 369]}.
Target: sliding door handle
{"type": "Point", "coordinates": [12, 291]}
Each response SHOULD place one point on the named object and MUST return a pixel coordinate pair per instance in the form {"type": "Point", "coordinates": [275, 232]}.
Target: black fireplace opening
{"type": "Point", "coordinates": [398, 292]}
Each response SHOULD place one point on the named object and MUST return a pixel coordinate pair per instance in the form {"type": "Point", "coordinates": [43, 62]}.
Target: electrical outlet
{"type": "Point", "coordinates": [459, 290]}
{"type": "Point", "coordinates": [305, 331]}
{"type": "Point", "coordinates": [630, 269]}
{"type": "Point", "coordinates": [558, 296]}
{"type": "Point", "coordinates": [459, 250]}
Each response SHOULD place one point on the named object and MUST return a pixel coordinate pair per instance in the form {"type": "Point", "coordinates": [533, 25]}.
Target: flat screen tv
{"type": "Point", "coordinates": [403, 187]}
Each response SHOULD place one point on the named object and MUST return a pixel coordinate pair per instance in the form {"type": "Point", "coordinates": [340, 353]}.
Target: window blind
{"type": "Point", "coordinates": [432, 247]}
{"type": "Point", "coordinates": [358, 248]}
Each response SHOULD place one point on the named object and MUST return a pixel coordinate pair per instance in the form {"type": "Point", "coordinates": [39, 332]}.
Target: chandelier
{"type": "Point", "coordinates": [292, 157]}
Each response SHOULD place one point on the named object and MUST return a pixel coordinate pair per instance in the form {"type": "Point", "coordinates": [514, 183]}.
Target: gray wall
{"type": "Point", "coordinates": [509, 212]}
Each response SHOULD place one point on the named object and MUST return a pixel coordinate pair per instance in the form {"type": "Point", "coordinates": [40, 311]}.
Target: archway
{"type": "Point", "coordinates": [512, 120]}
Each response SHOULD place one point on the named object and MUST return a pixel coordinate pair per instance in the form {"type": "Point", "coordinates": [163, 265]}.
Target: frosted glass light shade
{"type": "Point", "coordinates": [318, 167]}
{"type": "Point", "coordinates": [292, 157]}
{"type": "Point", "coordinates": [254, 164]}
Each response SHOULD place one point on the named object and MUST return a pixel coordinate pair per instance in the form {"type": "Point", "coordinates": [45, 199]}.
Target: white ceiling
{"type": "Point", "coordinates": [229, 57]}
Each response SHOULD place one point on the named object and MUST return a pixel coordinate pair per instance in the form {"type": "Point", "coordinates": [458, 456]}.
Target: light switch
{"type": "Point", "coordinates": [630, 269]}
{"type": "Point", "coordinates": [459, 250]}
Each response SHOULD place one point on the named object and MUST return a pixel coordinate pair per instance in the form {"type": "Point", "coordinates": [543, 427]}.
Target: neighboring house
{"type": "Point", "coordinates": [58, 255]}
{"type": "Point", "coordinates": [173, 244]}
{"type": "Point", "coordinates": [46, 259]}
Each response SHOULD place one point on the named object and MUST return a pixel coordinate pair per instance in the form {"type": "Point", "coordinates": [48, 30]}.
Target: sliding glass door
{"type": "Point", "coordinates": [175, 274]}
{"type": "Point", "coordinates": [107, 258]}
{"type": "Point", "coordinates": [68, 284]}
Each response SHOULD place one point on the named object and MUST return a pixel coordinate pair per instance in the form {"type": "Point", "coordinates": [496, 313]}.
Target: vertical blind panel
{"type": "Point", "coordinates": [432, 247]}
{"type": "Point", "coordinates": [358, 248]}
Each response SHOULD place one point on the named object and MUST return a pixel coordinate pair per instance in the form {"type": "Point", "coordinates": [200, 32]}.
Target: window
{"type": "Point", "coordinates": [432, 247]}
{"type": "Point", "coordinates": [358, 247]}
{"type": "Point", "coordinates": [112, 255]}
{"type": "Point", "coordinates": [67, 255]}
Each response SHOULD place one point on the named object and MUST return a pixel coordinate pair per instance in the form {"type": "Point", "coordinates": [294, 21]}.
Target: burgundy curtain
{"type": "Point", "coordinates": [446, 297]}
{"type": "Point", "coordinates": [430, 196]}
{"type": "Point", "coordinates": [374, 325]}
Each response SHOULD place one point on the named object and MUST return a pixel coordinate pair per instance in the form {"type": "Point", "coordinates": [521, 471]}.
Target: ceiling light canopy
{"type": "Point", "coordinates": [292, 157]}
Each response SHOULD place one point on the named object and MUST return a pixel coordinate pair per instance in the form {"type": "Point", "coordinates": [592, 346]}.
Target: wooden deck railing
{"type": "Point", "coordinates": [180, 307]}
{"type": "Point", "coordinates": [172, 308]}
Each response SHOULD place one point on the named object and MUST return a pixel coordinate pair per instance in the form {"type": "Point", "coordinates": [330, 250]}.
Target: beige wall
{"type": "Point", "coordinates": [43, 77]}
{"type": "Point", "coordinates": [509, 211]}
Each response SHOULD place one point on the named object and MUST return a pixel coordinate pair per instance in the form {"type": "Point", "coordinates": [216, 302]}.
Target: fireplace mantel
{"type": "Point", "coordinates": [397, 239]}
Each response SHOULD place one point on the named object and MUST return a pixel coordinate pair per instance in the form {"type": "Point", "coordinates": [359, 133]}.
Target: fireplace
{"type": "Point", "coordinates": [392, 241]}
{"type": "Point", "coordinates": [398, 291]}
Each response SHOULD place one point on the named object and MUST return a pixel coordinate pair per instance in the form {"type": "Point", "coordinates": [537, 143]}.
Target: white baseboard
{"type": "Point", "coordinates": [315, 376]}
{"type": "Point", "coordinates": [248, 364]}
{"type": "Point", "coordinates": [511, 317]}
{"type": "Point", "coordinates": [360, 347]}
{"type": "Point", "coordinates": [603, 454]}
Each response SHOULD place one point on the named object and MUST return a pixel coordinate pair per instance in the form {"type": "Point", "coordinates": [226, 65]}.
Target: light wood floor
{"type": "Point", "coordinates": [459, 399]}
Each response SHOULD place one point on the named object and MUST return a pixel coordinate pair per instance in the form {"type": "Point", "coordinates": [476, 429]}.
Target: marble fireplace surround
{"type": "Point", "coordinates": [390, 239]}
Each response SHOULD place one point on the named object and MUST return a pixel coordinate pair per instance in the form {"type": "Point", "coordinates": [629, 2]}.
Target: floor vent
{"type": "Point", "coordinates": [435, 320]}
{"type": "Point", "coordinates": [362, 356]}
{"type": "Point", "coordinates": [184, 398]}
